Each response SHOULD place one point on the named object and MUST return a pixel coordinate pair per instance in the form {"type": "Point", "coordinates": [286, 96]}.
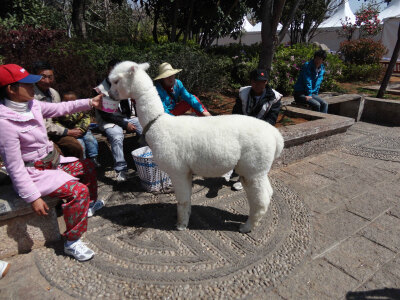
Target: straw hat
{"type": "Point", "coordinates": [165, 70]}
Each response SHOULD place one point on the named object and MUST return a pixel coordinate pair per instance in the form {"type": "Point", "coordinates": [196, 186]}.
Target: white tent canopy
{"type": "Point", "coordinates": [257, 27]}
{"type": "Point", "coordinates": [246, 25]}
{"type": "Point", "coordinates": [391, 11]}
{"type": "Point", "coordinates": [342, 12]}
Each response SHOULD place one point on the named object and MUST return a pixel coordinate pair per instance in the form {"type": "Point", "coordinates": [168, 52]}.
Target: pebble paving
{"type": "Point", "coordinates": [330, 233]}
{"type": "Point", "coordinates": [139, 254]}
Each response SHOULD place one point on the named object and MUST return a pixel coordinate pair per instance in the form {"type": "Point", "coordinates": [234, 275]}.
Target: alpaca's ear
{"type": "Point", "coordinates": [144, 66]}
{"type": "Point", "coordinates": [134, 67]}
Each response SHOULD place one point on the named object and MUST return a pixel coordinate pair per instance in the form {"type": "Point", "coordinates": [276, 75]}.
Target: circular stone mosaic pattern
{"type": "Point", "coordinates": [384, 144]}
{"type": "Point", "coordinates": [139, 254]}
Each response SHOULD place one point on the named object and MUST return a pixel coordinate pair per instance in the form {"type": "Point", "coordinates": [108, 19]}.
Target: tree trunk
{"type": "Point", "coordinates": [174, 21]}
{"type": "Point", "coordinates": [189, 22]}
{"type": "Point", "coordinates": [155, 23]}
{"type": "Point", "coordinates": [390, 68]}
{"type": "Point", "coordinates": [285, 26]}
{"type": "Point", "coordinates": [271, 14]}
{"type": "Point", "coordinates": [78, 18]}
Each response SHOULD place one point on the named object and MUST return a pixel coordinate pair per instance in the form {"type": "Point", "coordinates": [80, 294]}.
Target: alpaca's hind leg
{"type": "Point", "coordinates": [259, 192]}
{"type": "Point", "coordinates": [183, 192]}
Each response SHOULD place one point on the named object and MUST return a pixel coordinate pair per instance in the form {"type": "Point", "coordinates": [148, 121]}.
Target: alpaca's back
{"type": "Point", "coordinates": [210, 146]}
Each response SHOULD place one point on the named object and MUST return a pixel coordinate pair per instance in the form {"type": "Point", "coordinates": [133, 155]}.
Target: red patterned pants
{"type": "Point", "coordinates": [76, 196]}
{"type": "Point", "coordinates": [182, 107]}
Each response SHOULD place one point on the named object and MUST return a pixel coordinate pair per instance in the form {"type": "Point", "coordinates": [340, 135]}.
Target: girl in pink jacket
{"type": "Point", "coordinates": [35, 167]}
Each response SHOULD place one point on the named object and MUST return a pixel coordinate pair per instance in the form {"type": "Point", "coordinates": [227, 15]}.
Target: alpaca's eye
{"type": "Point", "coordinates": [116, 81]}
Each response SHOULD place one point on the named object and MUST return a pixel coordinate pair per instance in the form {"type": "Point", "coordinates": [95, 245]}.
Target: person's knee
{"type": "Point", "coordinates": [116, 137]}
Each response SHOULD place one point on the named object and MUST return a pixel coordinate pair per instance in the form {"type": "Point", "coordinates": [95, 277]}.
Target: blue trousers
{"type": "Point", "coordinates": [317, 103]}
{"type": "Point", "coordinates": [115, 136]}
{"type": "Point", "coordinates": [89, 145]}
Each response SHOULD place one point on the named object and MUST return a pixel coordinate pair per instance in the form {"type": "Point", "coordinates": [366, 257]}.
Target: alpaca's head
{"type": "Point", "coordinates": [129, 80]}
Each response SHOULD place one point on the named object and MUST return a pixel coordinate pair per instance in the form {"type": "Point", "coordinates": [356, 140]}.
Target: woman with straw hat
{"type": "Point", "coordinates": [171, 91]}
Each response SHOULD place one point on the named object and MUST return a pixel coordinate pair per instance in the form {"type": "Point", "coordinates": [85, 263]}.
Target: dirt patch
{"type": "Point", "coordinates": [222, 104]}
{"type": "Point", "coordinates": [284, 120]}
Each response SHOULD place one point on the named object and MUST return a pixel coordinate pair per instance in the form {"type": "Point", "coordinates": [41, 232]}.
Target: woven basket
{"type": "Point", "coordinates": [151, 177]}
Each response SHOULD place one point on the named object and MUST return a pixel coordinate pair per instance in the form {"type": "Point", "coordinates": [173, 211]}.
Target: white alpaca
{"type": "Point", "coordinates": [206, 146]}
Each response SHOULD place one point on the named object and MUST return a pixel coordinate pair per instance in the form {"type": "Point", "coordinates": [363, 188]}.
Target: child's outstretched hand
{"type": "Point", "coordinates": [40, 207]}
{"type": "Point", "coordinates": [97, 101]}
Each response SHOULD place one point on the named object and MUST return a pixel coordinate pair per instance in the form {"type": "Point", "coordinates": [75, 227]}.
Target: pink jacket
{"type": "Point", "coordinates": [24, 139]}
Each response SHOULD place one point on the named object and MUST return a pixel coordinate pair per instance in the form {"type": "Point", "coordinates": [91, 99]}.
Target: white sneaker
{"type": "Point", "coordinates": [228, 175]}
{"type": "Point", "coordinates": [79, 251]}
{"type": "Point", "coordinates": [121, 176]}
{"type": "Point", "coordinates": [94, 206]}
{"type": "Point", "coordinates": [4, 267]}
{"type": "Point", "coordinates": [237, 186]}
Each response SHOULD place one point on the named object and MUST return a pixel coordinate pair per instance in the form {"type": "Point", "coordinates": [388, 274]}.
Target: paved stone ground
{"type": "Point", "coordinates": [332, 232]}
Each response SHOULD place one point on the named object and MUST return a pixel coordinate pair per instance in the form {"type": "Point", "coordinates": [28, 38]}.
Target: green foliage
{"type": "Point", "coordinates": [34, 13]}
{"type": "Point", "coordinates": [362, 51]}
{"type": "Point", "coordinates": [201, 72]}
{"type": "Point", "coordinates": [243, 59]}
{"type": "Point", "coordinates": [363, 72]}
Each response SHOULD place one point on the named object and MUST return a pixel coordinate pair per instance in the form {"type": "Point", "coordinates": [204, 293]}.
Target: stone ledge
{"type": "Point", "coordinates": [319, 125]}
{"type": "Point", "coordinates": [347, 105]}
{"type": "Point", "coordinates": [383, 111]}
{"type": "Point", "coordinates": [12, 206]}
{"type": "Point", "coordinates": [21, 230]}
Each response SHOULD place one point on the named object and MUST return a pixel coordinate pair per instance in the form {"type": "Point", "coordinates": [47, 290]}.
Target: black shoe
{"type": "Point", "coordinates": [96, 163]}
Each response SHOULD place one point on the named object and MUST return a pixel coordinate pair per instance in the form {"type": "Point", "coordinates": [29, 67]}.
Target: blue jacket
{"type": "Point", "coordinates": [309, 79]}
{"type": "Point", "coordinates": [179, 92]}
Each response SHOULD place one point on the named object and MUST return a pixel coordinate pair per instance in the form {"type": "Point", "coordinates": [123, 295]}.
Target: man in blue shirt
{"type": "Point", "coordinates": [308, 83]}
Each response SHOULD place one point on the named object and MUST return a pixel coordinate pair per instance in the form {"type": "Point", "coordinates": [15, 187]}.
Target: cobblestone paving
{"type": "Point", "coordinates": [139, 254]}
{"type": "Point", "coordinates": [331, 233]}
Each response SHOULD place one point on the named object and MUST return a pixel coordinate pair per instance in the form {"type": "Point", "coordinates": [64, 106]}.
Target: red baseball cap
{"type": "Point", "coordinates": [13, 73]}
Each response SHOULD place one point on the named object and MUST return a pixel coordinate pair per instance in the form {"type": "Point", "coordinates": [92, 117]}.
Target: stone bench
{"type": "Point", "coordinates": [347, 105]}
{"type": "Point", "coordinates": [382, 111]}
{"type": "Point", "coordinates": [21, 229]}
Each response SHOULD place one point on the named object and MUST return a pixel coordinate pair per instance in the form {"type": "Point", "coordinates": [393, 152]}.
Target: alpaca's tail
{"type": "Point", "coordinates": [280, 143]}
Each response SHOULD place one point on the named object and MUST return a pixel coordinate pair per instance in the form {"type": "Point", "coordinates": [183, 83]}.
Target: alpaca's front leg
{"type": "Point", "coordinates": [183, 192]}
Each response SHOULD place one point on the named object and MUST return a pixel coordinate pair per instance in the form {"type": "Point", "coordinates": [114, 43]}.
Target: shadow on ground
{"type": "Point", "coordinates": [162, 216]}
{"type": "Point", "coordinates": [381, 294]}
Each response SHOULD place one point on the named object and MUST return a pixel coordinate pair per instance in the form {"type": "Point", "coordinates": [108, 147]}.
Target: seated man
{"type": "Point", "coordinates": [308, 83]}
{"type": "Point", "coordinates": [175, 98]}
{"type": "Point", "coordinates": [80, 121]}
{"type": "Point", "coordinates": [114, 124]}
{"type": "Point", "coordinates": [65, 139]}
{"type": "Point", "coordinates": [258, 100]}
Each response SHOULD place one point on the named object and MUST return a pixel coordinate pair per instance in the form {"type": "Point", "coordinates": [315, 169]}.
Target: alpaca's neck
{"type": "Point", "coordinates": [149, 106]}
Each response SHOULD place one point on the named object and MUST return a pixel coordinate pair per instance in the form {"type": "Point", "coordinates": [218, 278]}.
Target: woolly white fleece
{"type": "Point", "coordinates": [206, 146]}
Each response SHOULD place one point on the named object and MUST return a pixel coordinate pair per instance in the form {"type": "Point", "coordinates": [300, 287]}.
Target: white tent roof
{"type": "Point", "coordinates": [257, 27]}
{"type": "Point", "coordinates": [246, 24]}
{"type": "Point", "coordinates": [339, 16]}
{"type": "Point", "coordinates": [391, 11]}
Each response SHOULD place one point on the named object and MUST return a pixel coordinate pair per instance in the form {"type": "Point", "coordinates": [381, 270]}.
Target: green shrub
{"type": "Point", "coordinates": [243, 59]}
{"type": "Point", "coordinates": [201, 72]}
{"type": "Point", "coordinates": [365, 72]}
{"type": "Point", "coordinates": [362, 51]}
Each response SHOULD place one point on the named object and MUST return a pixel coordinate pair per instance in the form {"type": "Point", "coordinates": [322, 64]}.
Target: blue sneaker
{"type": "Point", "coordinates": [94, 206]}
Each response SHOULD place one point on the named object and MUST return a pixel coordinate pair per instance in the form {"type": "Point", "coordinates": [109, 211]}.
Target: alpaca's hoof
{"type": "Point", "coordinates": [181, 227]}
{"type": "Point", "coordinates": [245, 228]}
